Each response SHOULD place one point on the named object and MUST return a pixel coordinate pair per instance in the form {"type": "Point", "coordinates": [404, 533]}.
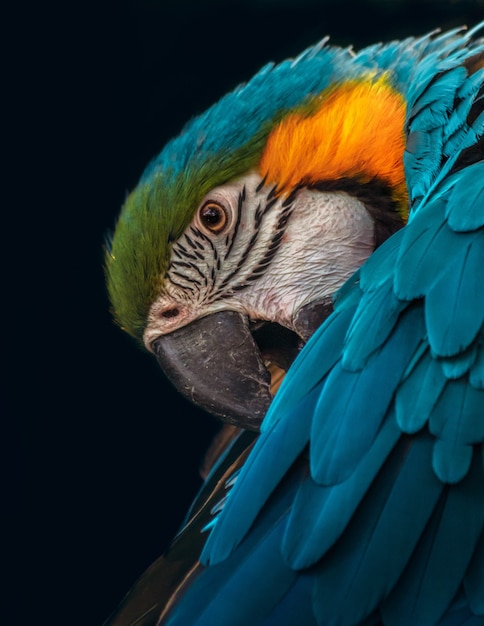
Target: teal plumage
{"type": "Point", "coordinates": [403, 447]}
{"type": "Point", "coordinates": [362, 500]}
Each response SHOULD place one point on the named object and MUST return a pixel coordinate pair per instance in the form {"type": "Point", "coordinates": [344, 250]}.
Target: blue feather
{"type": "Point", "coordinates": [423, 162]}
{"type": "Point", "coordinates": [460, 364]}
{"type": "Point", "coordinates": [457, 123]}
{"type": "Point", "coordinates": [425, 120]}
{"type": "Point", "coordinates": [454, 306]}
{"type": "Point", "coordinates": [418, 394]}
{"type": "Point", "coordinates": [456, 127]}
{"type": "Point", "coordinates": [459, 414]}
{"type": "Point", "coordinates": [270, 459]}
{"type": "Point", "coordinates": [458, 422]}
{"type": "Point", "coordinates": [466, 201]}
{"type": "Point", "coordinates": [469, 91]}
{"type": "Point", "coordinates": [343, 429]}
{"type": "Point", "coordinates": [439, 96]}
{"type": "Point", "coordinates": [474, 579]}
{"type": "Point", "coordinates": [451, 460]}
{"type": "Point", "coordinates": [439, 564]}
{"type": "Point", "coordinates": [381, 264]}
{"type": "Point", "coordinates": [476, 377]}
{"type": "Point", "coordinates": [360, 502]}
{"type": "Point", "coordinates": [432, 63]}
{"type": "Point", "coordinates": [295, 607]}
{"type": "Point", "coordinates": [373, 322]}
{"type": "Point", "coordinates": [325, 511]}
{"type": "Point", "coordinates": [403, 57]}
{"type": "Point", "coordinates": [425, 241]}
{"type": "Point", "coordinates": [256, 571]}
{"type": "Point", "coordinates": [349, 294]}
{"type": "Point", "coordinates": [262, 576]}
{"type": "Point", "coordinates": [423, 165]}
{"type": "Point", "coordinates": [366, 563]}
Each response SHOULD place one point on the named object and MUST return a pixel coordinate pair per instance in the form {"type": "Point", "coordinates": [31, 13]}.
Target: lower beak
{"type": "Point", "coordinates": [216, 364]}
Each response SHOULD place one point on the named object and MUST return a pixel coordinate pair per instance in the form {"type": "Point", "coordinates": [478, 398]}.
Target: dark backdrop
{"type": "Point", "coordinates": [102, 454]}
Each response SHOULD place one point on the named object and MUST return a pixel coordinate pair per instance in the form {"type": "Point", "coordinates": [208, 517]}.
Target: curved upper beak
{"type": "Point", "coordinates": [216, 364]}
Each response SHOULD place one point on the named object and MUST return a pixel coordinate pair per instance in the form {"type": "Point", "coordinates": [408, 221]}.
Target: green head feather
{"type": "Point", "coordinates": [155, 214]}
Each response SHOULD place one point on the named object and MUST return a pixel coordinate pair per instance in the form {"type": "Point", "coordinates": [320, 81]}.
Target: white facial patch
{"type": "Point", "coordinates": [276, 254]}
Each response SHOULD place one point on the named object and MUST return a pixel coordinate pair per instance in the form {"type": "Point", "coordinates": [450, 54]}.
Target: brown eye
{"type": "Point", "coordinates": [213, 216]}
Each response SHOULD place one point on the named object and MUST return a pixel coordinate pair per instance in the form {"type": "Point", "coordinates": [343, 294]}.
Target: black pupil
{"type": "Point", "coordinates": [211, 215]}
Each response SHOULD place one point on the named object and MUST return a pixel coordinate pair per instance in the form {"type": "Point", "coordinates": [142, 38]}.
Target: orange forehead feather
{"type": "Point", "coordinates": [355, 129]}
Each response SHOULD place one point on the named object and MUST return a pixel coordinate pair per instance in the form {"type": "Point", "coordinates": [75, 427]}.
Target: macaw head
{"type": "Point", "coordinates": [227, 255]}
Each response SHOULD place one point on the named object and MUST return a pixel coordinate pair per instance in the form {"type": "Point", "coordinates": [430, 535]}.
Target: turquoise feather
{"type": "Point", "coordinates": [454, 305]}
{"type": "Point", "coordinates": [464, 209]}
{"type": "Point", "coordinates": [459, 414]}
{"type": "Point", "coordinates": [418, 394]}
{"type": "Point", "coordinates": [438, 566]}
{"type": "Point", "coordinates": [416, 301]}
{"type": "Point", "coordinates": [379, 268]}
{"type": "Point", "coordinates": [362, 501]}
{"type": "Point", "coordinates": [457, 127]}
{"type": "Point", "coordinates": [365, 564]}
{"type": "Point", "coordinates": [438, 97]}
{"type": "Point", "coordinates": [458, 422]}
{"type": "Point", "coordinates": [225, 608]}
{"type": "Point", "coordinates": [421, 160]}
{"type": "Point", "coordinates": [451, 460]}
{"type": "Point", "coordinates": [460, 364]}
{"type": "Point", "coordinates": [214, 599]}
{"type": "Point", "coordinates": [343, 430]}
{"type": "Point", "coordinates": [368, 332]}
{"type": "Point", "coordinates": [255, 488]}
{"type": "Point", "coordinates": [476, 374]}
{"type": "Point", "coordinates": [425, 240]}
{"type": "Point", "coordinates": [295, 607]}
{"type": "Point", "coordinates": [325, 511]}
{"type": "Point", "coordinates": [474, 579]}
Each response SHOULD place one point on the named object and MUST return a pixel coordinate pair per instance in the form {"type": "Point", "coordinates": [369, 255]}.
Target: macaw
{"type": "Point", "coordinates": [305, 261]}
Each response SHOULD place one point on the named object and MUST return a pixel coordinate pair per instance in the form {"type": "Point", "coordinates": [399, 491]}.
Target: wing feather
{"type": "Point", "coordinates": [343, 429]}
{"type": "Point", "coordinates": [439, 563]}
{"type": "Point", "coordinates": [474, 579]}
{"type": "Point", "coordinates": [365, 488]}
{"type": "Point", "coordinates": [367, 561]}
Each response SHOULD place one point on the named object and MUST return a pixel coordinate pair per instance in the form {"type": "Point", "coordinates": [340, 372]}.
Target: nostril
{"type": "Point", "coordinates": [170, 312]}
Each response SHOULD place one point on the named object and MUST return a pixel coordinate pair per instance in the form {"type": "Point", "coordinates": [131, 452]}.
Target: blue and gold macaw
{"type": "Point", "coordinates": [322, 224]}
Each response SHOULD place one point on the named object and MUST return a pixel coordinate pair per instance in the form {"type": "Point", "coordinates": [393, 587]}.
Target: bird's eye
{"type": "Point", "coordinates": [213, 217]}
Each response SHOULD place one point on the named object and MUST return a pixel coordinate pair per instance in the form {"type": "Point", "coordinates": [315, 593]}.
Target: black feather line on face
{"type": "Point", "coordinates": [240, 203]}
{"type": "Point", "coordinates": [180, 286]}
{"type": "Point", "coordinates": [261, 185]}
{"type": "Point", "coordinates": [189, 260]}
{"type": "Point", "coordinates": [272, 193]}
{"type": "Point", "coordinates": [187, 253]}
{"type": "Point", "coordinates": [290, 198]}
{"type": "Point", "coordinates": [190, 242]}
{"type": "Point", "coordinates": [273, 246]}
{"type": "Point", "coordinates": [271, 251]}
{"type": "Point", "coordinates": [193, 266]}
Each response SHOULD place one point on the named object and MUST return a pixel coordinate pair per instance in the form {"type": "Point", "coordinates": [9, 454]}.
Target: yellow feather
{"type": "Point", "coordinates": [355, 129]}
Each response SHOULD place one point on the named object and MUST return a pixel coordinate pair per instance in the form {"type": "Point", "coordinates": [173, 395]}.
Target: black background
{"type": "Point", "coordinates": [101, 453]}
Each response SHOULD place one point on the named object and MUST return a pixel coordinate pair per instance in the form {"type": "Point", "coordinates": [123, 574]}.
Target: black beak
{"type": "Point", "coordinates": [216, 364]}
